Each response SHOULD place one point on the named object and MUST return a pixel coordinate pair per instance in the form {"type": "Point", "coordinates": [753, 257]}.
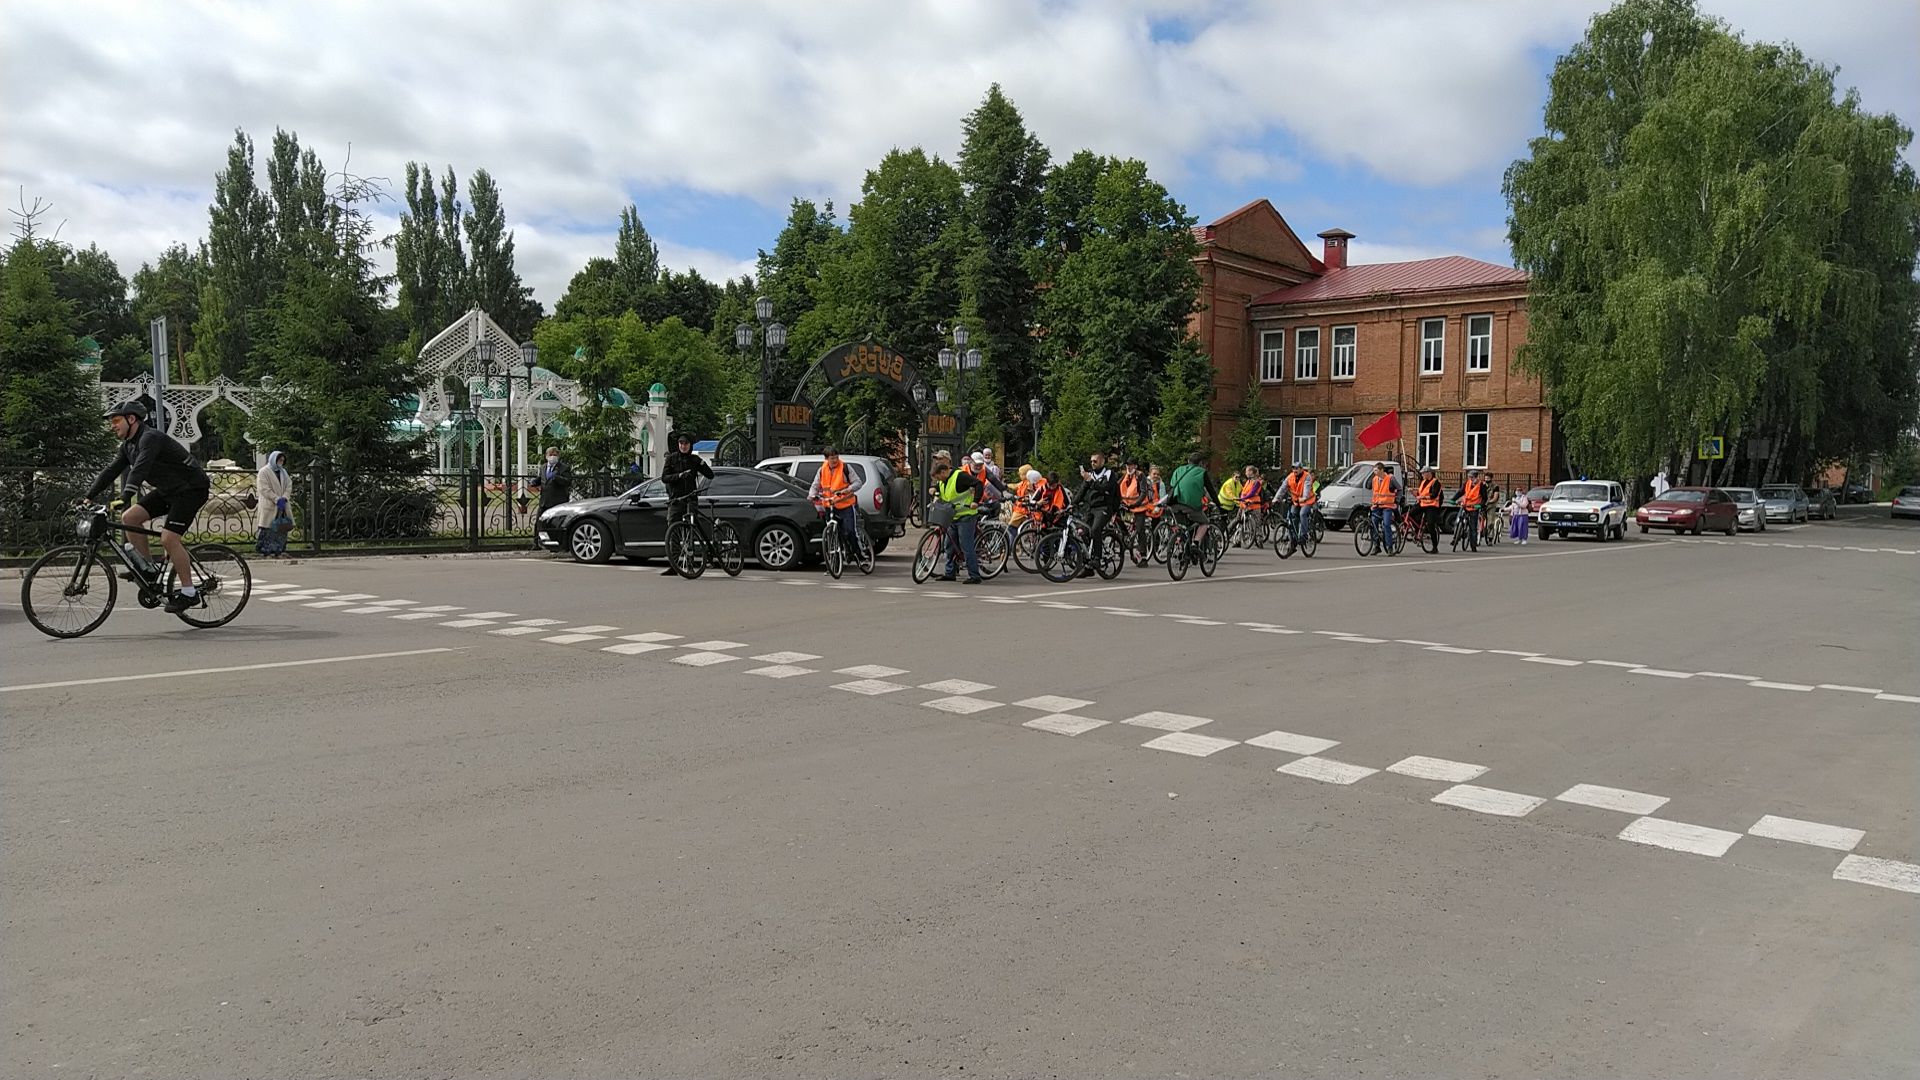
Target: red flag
{"type": "Point", "coordinates": [1385, 429]}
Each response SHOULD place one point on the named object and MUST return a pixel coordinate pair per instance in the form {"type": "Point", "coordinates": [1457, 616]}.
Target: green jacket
{"type": "Point", "coordinates": [1189, 485]}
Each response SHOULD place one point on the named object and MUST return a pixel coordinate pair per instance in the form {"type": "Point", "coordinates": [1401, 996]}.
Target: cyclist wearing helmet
{"type": "Point", "coordinates": [179, 489]}
{"type": "Point", "coordinates": [681, 472]}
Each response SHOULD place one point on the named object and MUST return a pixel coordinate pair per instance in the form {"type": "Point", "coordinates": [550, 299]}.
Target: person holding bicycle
{"type": "Point", "coordinates": [681, 472]}
{"type": "Point", "coordinates": [180, 488]}
{"type": "Point", "coordinates": [1429, 497]}
{"type": "Point", "coordinates": [1472, 496]}
{"type": "Point", "coordinates": [1384, 504]}
{"type": "Point", "coordinates": [832, 491]}
{"type": "Point", "coordinates": [959, 488]}
{"type": "Point", "coordinates": [1302, 491]}
{"type": "Point", "coordinates": [1101, 491]}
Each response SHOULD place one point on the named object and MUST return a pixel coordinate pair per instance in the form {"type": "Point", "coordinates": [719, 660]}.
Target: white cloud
{"type": "Point", "coordinates": [120, 112]}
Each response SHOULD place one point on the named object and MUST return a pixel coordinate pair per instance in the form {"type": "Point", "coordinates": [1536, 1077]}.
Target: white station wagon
{"type": "Point", "coordinates": [1589, 506]}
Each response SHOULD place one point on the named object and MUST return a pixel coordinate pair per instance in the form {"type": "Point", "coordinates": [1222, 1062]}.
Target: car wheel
{"type": "Point", "coordinates": [1546, 534]}
{"type": "Point", "coordinates": [1696, 526]}
{"type": "Point", "coordinates": [588, 542]}
{"type": "Point", "coordinates": [879, 543]}
{"type": "Point", "coordinates": [777, 547]}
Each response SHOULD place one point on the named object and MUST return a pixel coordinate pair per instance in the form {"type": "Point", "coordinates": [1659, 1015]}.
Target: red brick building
{"type": "Point", "coordinates": [1331, 348]}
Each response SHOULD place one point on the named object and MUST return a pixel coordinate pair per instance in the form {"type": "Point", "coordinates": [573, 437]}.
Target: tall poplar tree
{"type": "Point", "coordinates": [239, 242]}
{"type": "Point", "coordinates": [1002, 172]}
{"type": "Point", "coordinates": [429, 262]}
{"type": "Point", "coordinates": [493, 284]}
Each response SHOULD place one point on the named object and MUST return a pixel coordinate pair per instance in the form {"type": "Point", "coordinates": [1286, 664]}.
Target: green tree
{"type": "Point", "coordinates": [790, 273]}
{"type": "Point", "coordinates": [1717, 245]}
{"type": "Point", "coordinates": [636, 263]}
{"type": "Point", "coordinates": [1247, 445]}
{"type": "Point", "coordinates": [297, 192]}
{"type": "Point", "coordinates": [49, 410]}
{"type": "Point", "coordinates": [1074, 429]}
{"type": "Point", "coordinates": [172, 287]}
{"type": "Point", "coordinates": [594, 293]}
{"type": "Point", "coordinates": [239, 241]}
{"type": "Point", "coordinates": [1002, 173]}
{"type": "Point", "coordinates": [89, 281]}
{"type": "Point", "coordinates": [689, 297]}
{"type": "Point", "coordinates": [493, 285]}
{"type": "Point", "coordinates": [1175, 431]}
{"type": "Point", "coordinates": [429, 261]}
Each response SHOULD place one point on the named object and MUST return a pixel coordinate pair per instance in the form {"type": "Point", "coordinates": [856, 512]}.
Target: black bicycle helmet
{"type": "Point", "coordinates": [127, 408]}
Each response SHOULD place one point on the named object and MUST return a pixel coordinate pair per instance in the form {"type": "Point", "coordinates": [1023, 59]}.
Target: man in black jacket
{"type": "Point", "coordinates": [1101, 493]}
{"type": "Point", "coordinates": [180, 489]}
{"type": "Point", "coordinates": [681, 473]}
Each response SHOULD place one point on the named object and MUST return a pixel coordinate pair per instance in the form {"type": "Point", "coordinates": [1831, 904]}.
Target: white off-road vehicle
{"type": "Point", "coordinates": [1588, 506]}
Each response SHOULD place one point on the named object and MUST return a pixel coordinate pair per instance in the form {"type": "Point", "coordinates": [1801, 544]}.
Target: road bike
{"type": "Point", "coordinates": [1285, 543]}
{"type": "Point", "coordinates": [833, 550]}
{"type": "Point", "coordinates": [695, 539]}
{"type": "Point", "coordinates": [71, 590]}
{"type": "Point", "coordinates": [1466, 531]}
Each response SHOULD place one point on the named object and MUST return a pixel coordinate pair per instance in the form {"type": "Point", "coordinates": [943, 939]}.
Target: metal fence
{"type": "Point", "coordinates": [331, 510]}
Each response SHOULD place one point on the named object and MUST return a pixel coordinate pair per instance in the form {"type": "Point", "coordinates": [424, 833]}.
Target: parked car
{"type": "Point", "coordinates": [1689, 509]}
{"type": "Point", "coordinates": [778, 523]}
{"type": "Point", "coordinates": [1906, 503]}
{"type": "Point", "coordinates": [1822, 503]}
{"type": "Point", "coordinates": [1590, 506]}
{"type": "Point", "coordinates": [1750, 512]}
{"type": "Point", "coordinates": [1537, 499]}
{"type": "Point", "coordinates": [1852, 494]}
{"type": "Point", "coordinates": [1350, 493]}
{"type": "Point", "coordinates": [1787, 503]}
{"type": "Point", "coordinates": [886, 499]}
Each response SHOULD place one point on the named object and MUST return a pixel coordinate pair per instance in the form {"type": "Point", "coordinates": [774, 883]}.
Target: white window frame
{"type": "Point", "coordinates": [1473, 444]}
{"type": "Point", "coordinates": [1426, 444]}
{"type": "Point", "coordinates": [1276, 444]}
{"type": "Point", "coordinates": [1433, 350]}
{"type": "Point", "coordinates": [1273, 357]}
{"type": "Point", "coordinates": [1339, 447]}
{"type": "Point", "coordinates": [1479, 346]}
{"type": "Point", "coordinates": [1306, 354]}
{"type": "Point", "coordinates": [1346, 358]}
{"type": "Point", "coordinates": [1305, 428]}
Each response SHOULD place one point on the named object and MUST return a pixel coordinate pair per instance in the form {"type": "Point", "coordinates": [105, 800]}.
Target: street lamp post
{"type": "Point", "coordinates": [773, 338]}
{"type": "Point", "coordinates": [1035, 407]}
{"type": "Point", "coordinates": [960, 360]}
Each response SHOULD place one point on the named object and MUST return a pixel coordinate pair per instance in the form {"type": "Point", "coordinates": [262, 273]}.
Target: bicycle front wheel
{"type": "Point", "coordinates": [1310, 539]}
{"type": "Point", "coordinates": [830, 548]}
{"type": "Point", "coordinates": [992, 550]}
{"type": "Point", "coordinates": [68, 591]}
{"type": "Point", "coordinates": [222, 583]}
{"type": "Point", "coordinates": [927, 556]}
{"type": "Point", "coordinates": [1429, 538]}
{"type": "Point", "coordinates": [732, 556]}
{"type": "Point", "coordinates": [1363, 537]}
{"type": "Point", "coordinates": [1060, 556]}
{"type": "Point", "coordinates": [1179, 554]}
{"type": "Point", "coordinates": [1211, 552]}
{"type": "Point", "coordinates": [1283, 543]}
{"type": "Point", "coordinates": [864, 560]}
{"type": "Point", "coordinates": [685, 552]}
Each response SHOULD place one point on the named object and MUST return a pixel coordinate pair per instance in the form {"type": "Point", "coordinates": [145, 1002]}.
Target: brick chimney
{"type": "Point", "coordinates": [1334, 254]}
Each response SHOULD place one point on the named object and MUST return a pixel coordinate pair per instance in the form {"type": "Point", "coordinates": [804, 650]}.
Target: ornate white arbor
{"type": "Point", "coordinates": [183, 404]}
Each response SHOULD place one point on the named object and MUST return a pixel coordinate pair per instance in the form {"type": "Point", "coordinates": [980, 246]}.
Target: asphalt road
{"type": "Point", "coordinates": [350, 837]}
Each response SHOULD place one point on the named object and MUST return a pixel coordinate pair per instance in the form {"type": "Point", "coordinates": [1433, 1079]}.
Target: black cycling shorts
{"type": "Point", "coordinates": [177, 508]}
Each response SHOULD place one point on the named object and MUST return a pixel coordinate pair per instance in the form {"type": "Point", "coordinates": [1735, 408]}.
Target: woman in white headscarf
{"type": "Point", "coordinates": [274, 488]}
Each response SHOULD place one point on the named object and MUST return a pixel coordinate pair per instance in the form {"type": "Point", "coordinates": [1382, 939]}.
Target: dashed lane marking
{"type": "Point", "coordinates": [1885, 873]}
{"type": "Point", "coordinates": [1850, 689]}
{"type": "Point", "coordinates": [1288, 742]}
{"type": "Point", "coordinates": [573, 639]}
{"type": "Point", "coordinates": [1679, 836]}
{"type": "Point", "coordinates": [1727, 675]}
{"type": "Point", "coordinates": [715, 646]}
{"type": "Point", "coordinates": [1053, 703]}
{"type": "Point", "coordinates": [635, 648]}
{"type": "Point", "coordinates": [517, 631]}
{"type": "Point", "coordinates": [1554, 660]}
{"type": "Point", "coordinates": [1766, 685]}
{"type": "Point", "coordinates": [1454, 649]}
{"type": "Point", "coordinates": [1661, 672]}
{"type": "Point", "coordinates": [871, 671]}
{"type": "Point", "coordinates": [780, 671]}
{"type": "Point", "coordinates": [1326, 770]}
{"type": "Point", "coordinates": [702, 659]}
{"type": "Point", "coordinates": [463, 623]}
{"type": "Point", "coordinates": [1064, 724]}
{"type": "Point", "coordinates": [1807, 832]}
{"type": "Point", "coordinates": [592, 629]}
{"type": "Point", "coordinates": [651, 635]}
{"type": "Point", "coordinates": [871, 687]}
{"type": "Point", "coordinates": [1489, 800]}
{"type": "Point", "coordinates": [1430, 768]}
{"type": "Point", "coordinates": [493, 615]}
{"type": "Point", "coordinates": [961, 704]}
{"type": "Point", "coordinates": [956, 686]}
{"type": "Point", "coordinates": [538, 622]}
{"type": "Point", "coordinates": [1166, 721]}
{"type": "Point", "coordinates": [1186, 742]}
{"type": "Point", "coordinates": [787, 657]}
{"type": "Point", "coordinates": [1610, 798]}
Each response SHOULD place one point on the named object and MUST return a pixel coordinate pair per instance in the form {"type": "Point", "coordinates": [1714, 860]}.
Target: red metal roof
{"type": "Point", "coordinates": [1450, 272]}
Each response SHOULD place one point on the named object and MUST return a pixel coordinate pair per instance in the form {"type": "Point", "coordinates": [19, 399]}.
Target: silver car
{"type": "Point", "coordinates": [884, 498]}
{"type": "Point", "coordinates": [1906, 502]}
{"type": "Point", "coordinates": [1751, 513]}
{"type": "Point", "coordinates": [1787, 503]}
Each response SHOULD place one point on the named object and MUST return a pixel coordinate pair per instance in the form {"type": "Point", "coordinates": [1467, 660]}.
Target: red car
{"type": "Point", "coordinates": [1690, 509]}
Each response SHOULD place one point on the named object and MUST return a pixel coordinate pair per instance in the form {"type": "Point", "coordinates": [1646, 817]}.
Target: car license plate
{"type": "Point", "coordinates": [1656, 517]}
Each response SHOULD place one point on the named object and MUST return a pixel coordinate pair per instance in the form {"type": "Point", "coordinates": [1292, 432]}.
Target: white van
{"type": "Point", "coordinates": [1351, 492]}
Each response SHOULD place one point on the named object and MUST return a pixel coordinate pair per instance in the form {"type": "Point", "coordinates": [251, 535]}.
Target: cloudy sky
{"type": "Point", "coordinates": [1390, 118]}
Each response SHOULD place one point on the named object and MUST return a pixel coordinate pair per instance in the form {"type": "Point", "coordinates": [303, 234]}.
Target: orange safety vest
{"type": "Point", "coordinates": [1383, 490]}
{"type": "Point", "coordinates": [1430, 492]}
{"type": "Point", "coordinates": [1253, 496]}
{"type": "Point", "coordinates": [1130, 492]}
{"type": "Point", "coordinates": [1297, 487]}
{"type": "Point", "coordinates": [1020, 491]}
{"type": "Point", "coordinates": [834, 489]}
{"type": "Point", "coordinates": [1471, 494]}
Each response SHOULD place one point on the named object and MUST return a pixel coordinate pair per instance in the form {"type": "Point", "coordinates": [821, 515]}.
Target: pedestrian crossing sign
{"type": "Point", "coordinates": [1713, 447]}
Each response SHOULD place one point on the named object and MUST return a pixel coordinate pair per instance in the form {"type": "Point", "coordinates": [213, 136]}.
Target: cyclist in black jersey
{"type": "Point", "coordinates": [179, 489]}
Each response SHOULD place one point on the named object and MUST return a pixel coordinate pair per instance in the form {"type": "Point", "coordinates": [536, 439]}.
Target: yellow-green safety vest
{"type": "Point", "coordinates": [962, 500]}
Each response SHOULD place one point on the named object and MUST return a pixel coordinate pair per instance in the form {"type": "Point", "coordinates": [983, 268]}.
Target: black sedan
{"type": "Point", "coordinates": [774, 517]}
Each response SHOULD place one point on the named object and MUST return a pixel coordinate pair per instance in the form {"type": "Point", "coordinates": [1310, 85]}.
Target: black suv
{"type": "Point", "coordinates": [772, 513]}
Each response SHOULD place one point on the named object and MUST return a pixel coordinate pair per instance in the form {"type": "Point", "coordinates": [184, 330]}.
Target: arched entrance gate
{"type": "Point", "coordinates": [792, 421]}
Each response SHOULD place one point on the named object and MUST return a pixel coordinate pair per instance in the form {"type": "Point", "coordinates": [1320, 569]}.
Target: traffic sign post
{"type": "Point", "coordinates": [1712, 447]}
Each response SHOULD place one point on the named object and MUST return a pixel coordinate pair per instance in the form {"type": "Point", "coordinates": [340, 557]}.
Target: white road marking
{"type": "Point", "coordinates": [846, 586]}
{"type": "Point", "coordinates": [1764, 684]}
{"type": "Point", "coordinates": [357, 596]}
{"type": "Point", "coordinates": [956, 686]}
{"type": "Point", "coordinates": [1851, 689]}
{"type": "Point", "coordinates": [1452, 649]}
{"type": "Point", "coordinates": [1130, 614]}
{"type": "Point", "coordinates": [715, 646]}
{"type": "Point", "coordinates": [1332, 633]}
{"type": "Point", "coordinates": [1616, 663]}
{"type": "Point", "coordinates": [516, 631]}
{"type": "Point", "coordinates": [1000, 600]}
{"type": "Point", "coordinates": [282, 598]}
{"type": "Point", "coordinates": [1166, 721]}
{"type": "Point", "coordinates": [396, 603]}
{"type": "Point", "coordinates": [1514, 652]}
{"type": "Point", "coordinates": [595, 629]}
{"type": "Point", "coordinates": [780, 671]}
{"type": "Point", "coordinates": [573, 639]}
{"type": "Point", "coordinates": [1326, 770]}
{"type": "Point", "coordinates": [1556, 661]}
{"type": "Point", "coordinates": [220, 670]}
{"type": "Point", "coordinates": [703, 659]}
{"type": "Point", "coordinates": [1661, 672]}
{"type": "Point", "coordinates": [942, 595]}
{"type": "Point", "coordinates": [263, 586]}
{"type": "Point", "coordinates": [652, 636]}
{"type": "Point", "coordinates": [1275, 630]}
{"type": "Point", "coordinates": [1727, 675]}
{"type": "Point", "coordinates": [960, 703]}
{"type": "Point", "coordinates": [1489, 800]}
{"type": "Point", "coordinates": [1202, 622]}
{"type": "Point", "coordinates": [469, 622]}
{"type": "Point", "coordinates": [1807, 832]}
{"type": "Point", "coordinates": [1064, 723]}
{"type": "Point", "coordinates": [368, 610]}
{"type": "Point", "coordinates": [1288, 742]}
{"type": "Point", "coordinates": [1429, 768]}
{"type": "Point", "coordinates": [1885, 873]}
{"type": "Point", "coordinates": [1416, 641]}
{"type": "Point", "coordinates": [416, 615]}
{"type": "Point", "coordinates": [1680, 836]}
{"type": "Point", "coordinates": [538, 622]}
{"type": "Point", "coordinates": [871, 671]}
{"type": "Point", "coordinates": [1355, 639]}
{"type": "Point", "coordinates": [871, 687]}
{"type": "Point", "coordinates": [1053, 703]}
{"type": "Point", "coordinates": [1060, 606]}
{"type": "Point", "coordinates": [634, 648]}
{"type": "Point", "coordinates": [787, 657]}
{"type": "Point", "coordinates": [1637, 803]}
{"type": "Point", "coordinates": [1908, 698]}
{"type": "Point", "coordinates": [324, 603]}
{"type": "Point", "coordinates": [493, 615]}
{"type": "Point", "coordinates": [1183, 742]}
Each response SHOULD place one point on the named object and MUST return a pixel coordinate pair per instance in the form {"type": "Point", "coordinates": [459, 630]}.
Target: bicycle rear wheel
{"type": "Point", "coordinates": [1140, 541]}
{"type": "Point", "coordinates": [68, 592]}
{"type": "Point", "coordinates": [1363, 536]}
{"type": "Point", "coordinates": [732, 557]}
{"type": "Point", "coordinates": [1429, 538]}
{"type": "Point", "coordinates": [927, 555]}
{"type": "Point", "coordinates": [864, 559]}
{"type": "Point", "coordinates": [1113, 557]}
{"type": "Point", "coordinates": [1399, 544]}
{"type": "Point", "coordinates": [1026, 550]}
{"type": "Point", "coordinates": [992, 549]}
{"type": "Point", "coordinates": [222, 581]}
{"type": "Point", "coordinates": [1179, 547]}
{"type": "Point", "coordinates": [685, 553]}
{"type": "Point", "coordinates": [1211, 552]}
{"type": "Point", "coordinates": [1162, 539]}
